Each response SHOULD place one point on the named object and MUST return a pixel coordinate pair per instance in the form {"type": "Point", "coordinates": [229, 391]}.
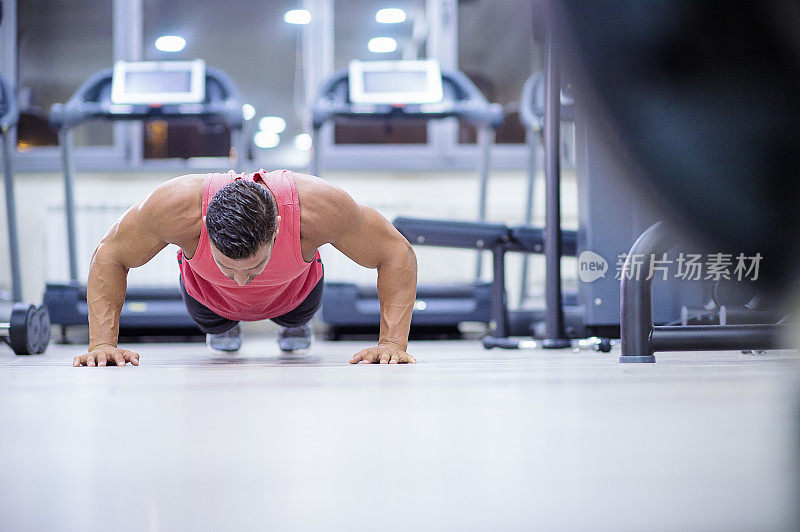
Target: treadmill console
{"type": "Point", "coordinates": [144, 90]}
{"type": "Point", "coordinates": [158, 82]}
{"type": "Point", "coordinates": [395, 82]}
{"type": "Point", "coordinates": [402, 90]}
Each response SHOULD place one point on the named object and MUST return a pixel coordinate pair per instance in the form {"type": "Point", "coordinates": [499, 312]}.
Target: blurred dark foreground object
{"type": "Point", "coordinates": [702, 100]}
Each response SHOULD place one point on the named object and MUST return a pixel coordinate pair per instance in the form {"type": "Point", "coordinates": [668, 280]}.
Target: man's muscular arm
{"type": "Point", "coordinates": [168, 215]}
{"type": "Point", "coordinates": [370, 240]}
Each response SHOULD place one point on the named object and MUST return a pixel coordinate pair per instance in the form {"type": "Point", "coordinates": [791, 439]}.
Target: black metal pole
{"type": "Point", "coordinates": [636, 293]}
{"type": "Point", "coordinates": [722, 337]}
{"type": "Point", "coordinates": [555, 337]}
{"type": "Point", "coordinates": [499, 306]}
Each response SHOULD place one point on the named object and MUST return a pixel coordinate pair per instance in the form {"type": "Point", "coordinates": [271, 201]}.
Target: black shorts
{"type": "Point", "coordinates": [211, 322]}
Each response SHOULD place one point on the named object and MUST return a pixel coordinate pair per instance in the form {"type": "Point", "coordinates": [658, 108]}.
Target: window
{"type": "Point", "coordinates": [253, 45]}
{"type": "Point", "coordinates": [355, 25]}
{"type": "Point", "coordinates": [496, 50]}
{"type": "Point", "coordinates": [56, 54]}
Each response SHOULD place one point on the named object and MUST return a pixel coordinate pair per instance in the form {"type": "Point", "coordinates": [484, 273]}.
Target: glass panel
{"type": "Point", "coordinates": [354, 25]}
{"type": "Point", "coordinates": [497, 51]}
{"type": "Point", "coordinates": [55, 55]}
{"type": "Point", "coordinates": [252, 44]}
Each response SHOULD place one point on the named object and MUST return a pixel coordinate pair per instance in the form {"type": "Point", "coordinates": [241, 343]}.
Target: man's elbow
{"type": "Point", "coordinates": [100, 255]}
{"type": "Point", "coordinates": [407, 256]}
{"type": "Point", "coordinates": [105, 257]}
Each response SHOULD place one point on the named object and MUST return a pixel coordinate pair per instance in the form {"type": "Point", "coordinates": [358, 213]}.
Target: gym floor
{"type": "Point", "coordinates": [464, 440]}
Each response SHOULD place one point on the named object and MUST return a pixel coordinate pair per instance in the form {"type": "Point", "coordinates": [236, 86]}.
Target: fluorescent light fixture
{"type": "Point", "coordinates": [272, 124]}
{"type": "Point", "coordinates": [390, 16]}
{"type": "Point", "coordinates": [297, 16]}
{"type": "Point", "coordinates": [170, 43]}
{"type": "Point", "coordinates": [266, 139]}
{"type": "Point", "coordinates": [382, 45]}
{"type": "Point", "coordinates": [302, 142]}
{"type": "Point", "coordinates": [248, 111]}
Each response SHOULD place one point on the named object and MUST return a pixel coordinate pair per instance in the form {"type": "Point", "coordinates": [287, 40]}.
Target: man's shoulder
{"type": "Point", "coordinates": [309, 184]}
{"type": "Point", "coordinates": [185, 186]}
{"type": "Point", "coordinates": [317, 194]}
{"type": "Point", "coordinates": [174, 208]}
{"type": "Point", "coordinates": [321, 203]}
{"type": "Point", "coordinates": [184, 192]}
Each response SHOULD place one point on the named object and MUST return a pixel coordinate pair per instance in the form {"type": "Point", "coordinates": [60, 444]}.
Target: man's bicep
{"type": "Point", "coordinates": [131, 242]}
{"type": "Point", "coordinates": [167, 215]}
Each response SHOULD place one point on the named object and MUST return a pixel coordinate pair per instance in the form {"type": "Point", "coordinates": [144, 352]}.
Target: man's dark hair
{"type": "Point", "coordinates": [241, 217]}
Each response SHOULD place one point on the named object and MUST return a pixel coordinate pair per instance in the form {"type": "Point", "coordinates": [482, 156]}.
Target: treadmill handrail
{"type": "Point", "coordinates": [79, 109]}
{"type": "Point", "coordinates": [531, 111]}
{"type": "Point", "coordinates": [10, 118]}
{"type": "Point", "coordinates": [530, 118]}
{"type": "Point", "coordinates": [474, 108]}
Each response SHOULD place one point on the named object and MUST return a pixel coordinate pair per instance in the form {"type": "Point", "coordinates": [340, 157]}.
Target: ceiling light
{"type": "Point", "coordinates": [390, 16]}
{"type": "Point", "coordinates": [170, 43]}
{"type": "Point", "coordinates": [272, 124]}
{"type": "Point", "coordinates": [297, 16]}
{"type": "Point", "coordinates": [302, 142]}
{"type": "Point", "coordinates": [266, 139]}
{"type": "Point", "coordinates": [382, 45]}
{"type": "Point", "coordinates": [248, 111]}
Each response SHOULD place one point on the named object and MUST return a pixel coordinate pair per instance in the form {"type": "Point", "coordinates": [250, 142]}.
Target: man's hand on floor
{"type": "Point", "coordinates": [106, 355]}
{"type": "Point", "coordinates": [383, 354]}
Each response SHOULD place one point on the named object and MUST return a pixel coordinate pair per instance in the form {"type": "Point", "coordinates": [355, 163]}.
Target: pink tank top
{"type": "Point", "coordinates": [284, 283]}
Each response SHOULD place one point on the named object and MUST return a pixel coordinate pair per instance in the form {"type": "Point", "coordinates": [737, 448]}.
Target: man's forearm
{"type": "Point", "coordinates": [397, 290]}
{"type": "Point", "coordinates": [105, 294]}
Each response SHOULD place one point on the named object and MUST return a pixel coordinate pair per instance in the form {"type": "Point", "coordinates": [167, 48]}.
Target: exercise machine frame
{"type": "Point", "coordinates": [640, 339]}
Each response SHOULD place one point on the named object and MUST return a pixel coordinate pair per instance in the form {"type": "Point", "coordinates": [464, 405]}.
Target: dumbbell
{"type": "Point", "coordinates": [27, 330]}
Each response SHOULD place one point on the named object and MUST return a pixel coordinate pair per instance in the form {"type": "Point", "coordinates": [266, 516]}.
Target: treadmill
{"type": "Point", "coordinates": [141, 90]}
{"type": "Point", "coordinates": [390, 92]}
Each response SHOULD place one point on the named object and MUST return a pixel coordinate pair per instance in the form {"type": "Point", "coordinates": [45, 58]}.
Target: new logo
{"type": "Point", "coordinates": [591, 266]}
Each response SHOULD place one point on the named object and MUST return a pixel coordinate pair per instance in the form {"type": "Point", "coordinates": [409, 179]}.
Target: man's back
{"type": "Point", "coordinates": [286, 279]}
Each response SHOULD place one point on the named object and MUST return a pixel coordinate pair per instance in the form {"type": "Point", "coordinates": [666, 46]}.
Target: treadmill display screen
{"type": "Point", "coordinates": [158, 82]}
{"type": "Point", "coordinates": [149, 82]}
{"type": "Point", "coordinates": [395, 82]}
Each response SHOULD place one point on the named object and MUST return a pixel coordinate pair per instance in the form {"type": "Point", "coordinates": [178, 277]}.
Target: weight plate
{"type": "Point", "coordinates": [731, 293]}
{"type": "Point", "coordinates": [24, 329]}
{"type": "Point", "coordinates": [37, 338]}
{"type": "Point", "coordinates": [44, 329]}
{"type": "Point", "coordinates": [34, 328]}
